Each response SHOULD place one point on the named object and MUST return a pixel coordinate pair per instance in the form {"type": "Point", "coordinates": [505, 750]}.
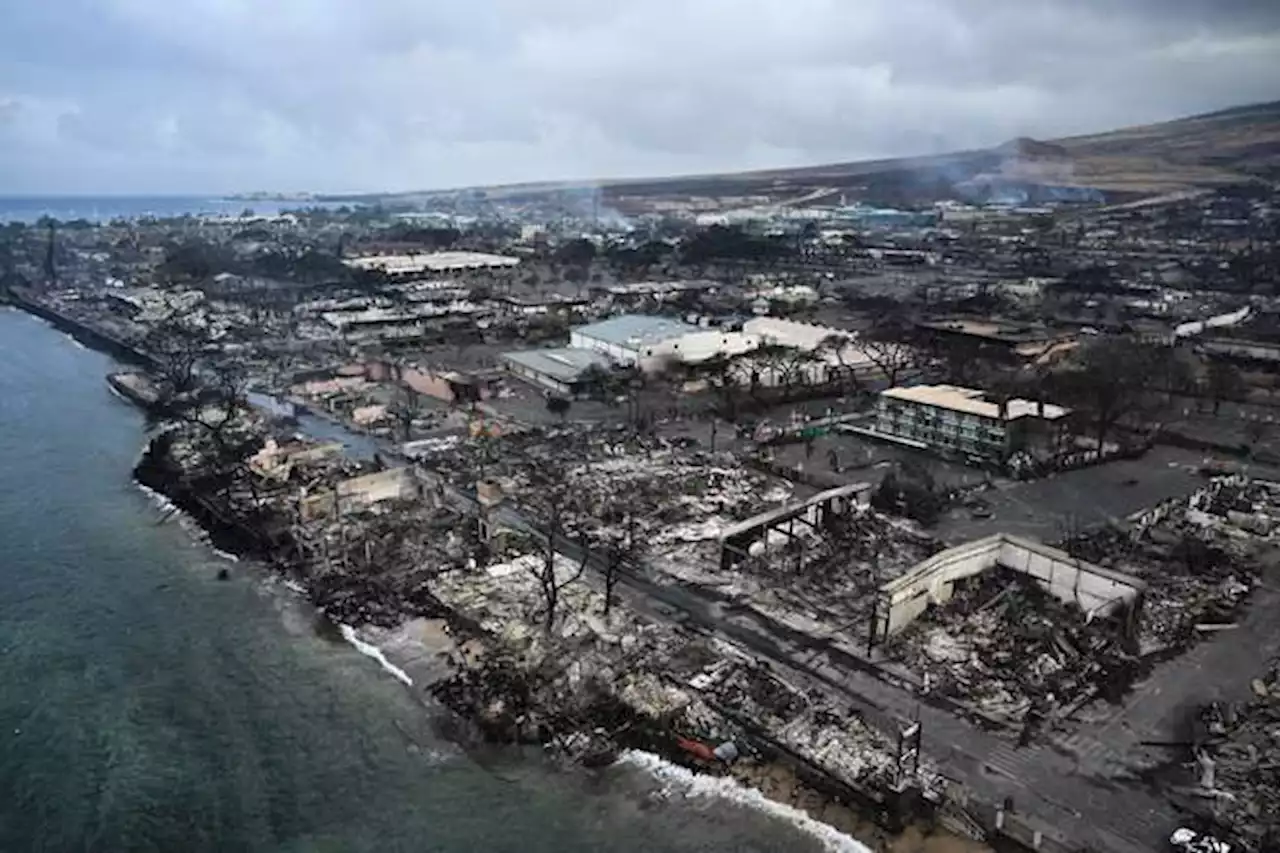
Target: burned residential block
{"type": "Point", "coordinates": [1096, 590]}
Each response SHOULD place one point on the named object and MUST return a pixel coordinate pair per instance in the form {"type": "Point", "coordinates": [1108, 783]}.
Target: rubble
{"type": "Point", "coordinates": [1009, 651]}
{"type": "Point", "coordinates": [603, 475]}
{"type": "Point", "coordinates": [1198, 555]}
{"type": "Point", "coordinates": [1238, 765]}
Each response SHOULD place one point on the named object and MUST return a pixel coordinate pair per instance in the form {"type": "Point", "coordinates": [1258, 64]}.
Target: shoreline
{"type": "Point", "coordinates": [79, 331]}
{"type": "Point", "coordinates": [465, 689]}
{"type": "Point", "coordinates": [672, 777]}
{"type": "Point", "coordinates": [230, 541]}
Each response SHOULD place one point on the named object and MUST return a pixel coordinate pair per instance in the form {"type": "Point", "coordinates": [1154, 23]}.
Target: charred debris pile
{"type": "Point", "coordinates": [1005, 650]}
{"type": "Point", "coordinates": [359, 536]}
{"type": "Point", "coordinates": [599, 681]}
{"type": "Point", "coordinates": [548, 651]}
{"type": "Point", "coordinates": [1011, 652]}
{"type": "Point", "coordinates": [1237, 762]}
{"type": "Point", "coordinates": [1199, 556]}
{"type": "Point", "coordinates": [606, 478]}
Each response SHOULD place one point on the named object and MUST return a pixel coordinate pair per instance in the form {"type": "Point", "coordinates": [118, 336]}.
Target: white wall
{"type": "Point", "coordinates": [620, 354]}
{"type": "Point", "coordinates": [394, 483]}
{"type": "Point", "coordinates": [1094, 588]}
{"type": "Point", "coordinates": [697, 347]}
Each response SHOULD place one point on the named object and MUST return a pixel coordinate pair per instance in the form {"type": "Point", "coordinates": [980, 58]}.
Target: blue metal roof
{"type": "Point", "coordinates": [634, 330]}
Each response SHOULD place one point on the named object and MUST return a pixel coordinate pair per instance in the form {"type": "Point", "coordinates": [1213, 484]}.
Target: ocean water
{"type": "Point", "coordinates": [103, 208]}
{"type": "Point", "coordinates": [147, 706]}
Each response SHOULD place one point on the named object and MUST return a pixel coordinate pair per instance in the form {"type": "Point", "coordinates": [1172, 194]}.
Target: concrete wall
{"type": "Point", "coordinates": [932, 582]}
{"type": "Point", "coordinates": [428, 384]}
{"type": "Point", "coordinates": [620, 354]}
{"type": "Point", "coordinates": [1096, 590]}
{"type": "Point", "coordinates": [277, 461]}
{"type": "Point", "coordinates": [538, 378]}
{"type": "Point", "coordinates": [386, 485]}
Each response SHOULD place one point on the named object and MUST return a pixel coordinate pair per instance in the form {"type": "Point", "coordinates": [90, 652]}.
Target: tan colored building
{"type": "Point", "coordinates": [969, 423]}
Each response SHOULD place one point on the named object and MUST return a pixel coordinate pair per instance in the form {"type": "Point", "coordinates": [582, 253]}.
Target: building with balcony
{"type": "Point", "coordinates": [970, 424]}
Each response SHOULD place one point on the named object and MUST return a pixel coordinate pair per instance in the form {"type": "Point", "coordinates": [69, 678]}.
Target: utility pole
{"type": "Point", "coordinates": [50, 257]}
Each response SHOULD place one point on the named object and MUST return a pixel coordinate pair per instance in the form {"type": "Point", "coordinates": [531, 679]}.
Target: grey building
{"type": "Point", "coordinates": [630, 339]}
{"type": "Point", "coordinates": [558, 370]}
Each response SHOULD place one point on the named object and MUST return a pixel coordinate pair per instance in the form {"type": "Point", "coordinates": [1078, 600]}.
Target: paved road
{"type": "Point", "coordinates": [1043, 783]}
{"type": "Point", "coordinates": [1049, 789]}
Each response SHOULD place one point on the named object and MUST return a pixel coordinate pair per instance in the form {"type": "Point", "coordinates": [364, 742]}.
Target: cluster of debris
{"type": "Point", "coordinates": [1199, 557]}
{"type": "Point", "coordinates": [1009, 651]}
{"type": "Point", "coordinates": [805, 722]}
{"type": "Point", "coordinates": [598, 680]}
{"type": "Point", "coordinates": [376, 565]}
{"type": "Point", "coordinates": [359, 535]}
{"type": "Point", "coordinates": [1006, 650]}
{"type": "Point", "coordinates": [609, 476]}
{"type": "Point", "coordinates": [370, 397]}
{"type": "Point", "coordinates": [830, 575]}
{"type": "Point", "coordinates": [1239, 765]}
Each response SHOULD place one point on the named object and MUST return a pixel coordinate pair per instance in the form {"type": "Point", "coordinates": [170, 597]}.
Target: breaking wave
{"type": "Point", "coordinates": [193, 529]}
{"type": "Point", "coordinates": [118, 396]}
{"type": "Point", "coordinates": [369, 650]}
{"type": "Point", "coordinates": [680, 780]}
{"type": "Point", "coordinates": [162, 502]}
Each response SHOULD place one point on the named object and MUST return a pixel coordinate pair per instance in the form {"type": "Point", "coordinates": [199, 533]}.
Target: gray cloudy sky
{"type": "Point", "coordinates": [222, 95]}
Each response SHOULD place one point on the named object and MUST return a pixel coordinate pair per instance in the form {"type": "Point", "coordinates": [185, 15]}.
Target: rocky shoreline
{"type": "Point", "coordinates": [506, 695]}
{"type": "Point", "coordinates": [477, 678]}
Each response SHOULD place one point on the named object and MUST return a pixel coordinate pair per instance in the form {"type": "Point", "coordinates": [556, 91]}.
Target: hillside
{"type": "Point", "coordinates": [1207, 150]}
{"type": "Point", "coordinates": [1226, 147]}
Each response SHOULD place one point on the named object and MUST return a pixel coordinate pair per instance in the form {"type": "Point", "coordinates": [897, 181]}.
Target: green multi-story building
{"type": "Point", "coordinates": [971, 424]}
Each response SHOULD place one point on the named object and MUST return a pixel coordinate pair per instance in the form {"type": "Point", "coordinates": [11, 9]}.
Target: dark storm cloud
{"type": "Point", "coordinates": [156, 95]}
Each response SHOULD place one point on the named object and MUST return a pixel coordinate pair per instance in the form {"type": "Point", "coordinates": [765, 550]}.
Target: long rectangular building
{"type": "Point", "coordinates": [971, 424]}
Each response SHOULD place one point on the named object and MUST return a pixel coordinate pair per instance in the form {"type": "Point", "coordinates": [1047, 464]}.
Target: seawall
{"type": "Point", "coordinates": [81, 331]}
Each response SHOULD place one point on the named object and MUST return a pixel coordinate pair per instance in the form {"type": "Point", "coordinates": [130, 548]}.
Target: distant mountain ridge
{"type": "Point", "coordinates": [1231, 146]}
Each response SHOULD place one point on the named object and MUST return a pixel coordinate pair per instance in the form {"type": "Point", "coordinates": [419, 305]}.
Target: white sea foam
{"type": "Point", "coordinates": [294, 586]}
{"type": "Point", "coordinates": [677, 780]}
{"type": "Point", "coordinates": [158, 499]}
{"type": "Point", "coordinates": [369, 650]}
{"type": "Point", "coordinates": [186, 522]}
{"type": "Point", "coordinates": [74, 342]}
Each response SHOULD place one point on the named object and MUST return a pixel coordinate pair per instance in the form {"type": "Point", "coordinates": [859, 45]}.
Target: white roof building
{"type": "Point", "coordinates": [430, 262]}
{"type": "Point", "coordinates": [973, 401]}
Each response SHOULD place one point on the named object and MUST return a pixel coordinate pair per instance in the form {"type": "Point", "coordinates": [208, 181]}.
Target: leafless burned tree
{"type": "Point", "coordinates": [620, 547]}
{"type": "Point", "coordinates": [893, 358]}
{"type": "Point", "coordinates": [177, 351]}
{"type": "Point", "coordinates": [549, 511]}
